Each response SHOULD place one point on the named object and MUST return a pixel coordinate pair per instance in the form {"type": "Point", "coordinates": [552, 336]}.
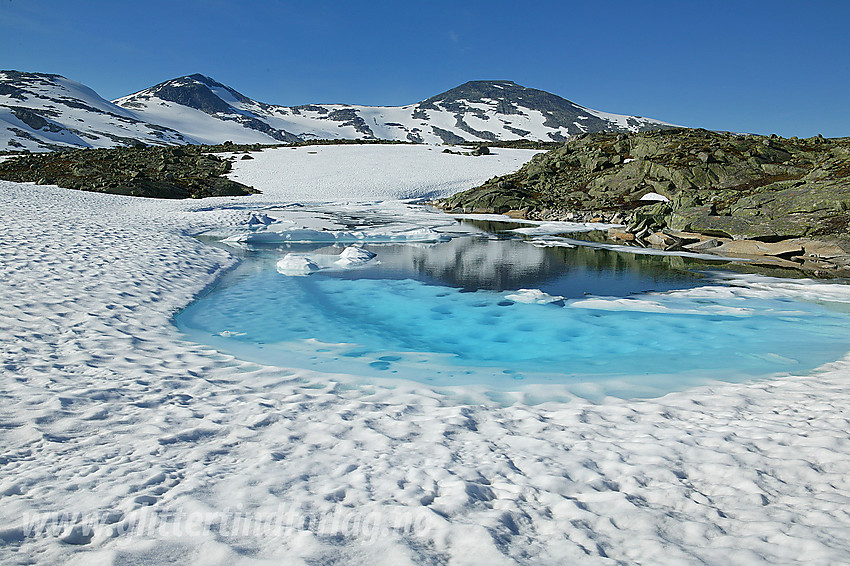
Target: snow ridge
{"type": "Point", "coordinates": [41, 112]}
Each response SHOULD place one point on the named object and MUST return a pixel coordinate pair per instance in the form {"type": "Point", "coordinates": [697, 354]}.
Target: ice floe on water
{"type": "Point", "coordinates": [565, 242]}
{"type": "Point", "coordinates": [650, 306]}
{"type": "Point", "coordinates": [552, 228]}
{"type": "Point", "coordinates": [289, 235]}
{"type": "Point", "coordinates": [353, 255]}
{"type": "Point", "coordinates": [535, 296]}
{"type": "Point", "coordinates": [123, 442]}
{"type": "Point", "coordinates": [540, 227]}
{"type": "Point", "coordinates": [295, 264]}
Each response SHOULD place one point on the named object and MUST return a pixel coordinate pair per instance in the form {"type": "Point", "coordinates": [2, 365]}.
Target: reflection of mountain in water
{"type": "Point", "coordinates": [507, 264]}
{"type": "Point", "coordinates": [477, 263]}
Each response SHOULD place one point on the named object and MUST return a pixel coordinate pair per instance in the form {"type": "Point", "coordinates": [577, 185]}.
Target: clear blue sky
{"type": "Point", "coordinates": [756, 66]}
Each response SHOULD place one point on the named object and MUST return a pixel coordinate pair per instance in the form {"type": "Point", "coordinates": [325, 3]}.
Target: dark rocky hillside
{"type": "Point", "coordinates": [162, 172]}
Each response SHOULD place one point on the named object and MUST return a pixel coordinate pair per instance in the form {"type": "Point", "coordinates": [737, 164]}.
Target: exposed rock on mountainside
{"type": "Point", "coordinates": [720, 186]}
{"type": "Point", "coordinates": [480, 101]}
{"type": "Point", "coordinates": [161, 172]}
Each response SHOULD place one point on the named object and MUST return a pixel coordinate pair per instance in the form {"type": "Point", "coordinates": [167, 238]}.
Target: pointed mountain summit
{"type": "Point", "coordinates": [195, 91]}
{"type": "Point", "coordinates": [548, 117]}
{"type": "Point", "coordinates": [207, 111]}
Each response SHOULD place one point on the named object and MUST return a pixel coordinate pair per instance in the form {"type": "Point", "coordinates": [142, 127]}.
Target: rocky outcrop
{"type": "Point", "coordinates": [715, 185]}
{"type": "Point", "coordinates": [161, 172]}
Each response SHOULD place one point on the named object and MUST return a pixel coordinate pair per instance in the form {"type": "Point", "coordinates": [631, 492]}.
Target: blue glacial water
{"type": "Point", "coordinates": [630, 326]}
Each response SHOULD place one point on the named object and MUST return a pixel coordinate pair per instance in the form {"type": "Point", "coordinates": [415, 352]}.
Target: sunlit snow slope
{"type": "Point", "coordinates": [41, 112]}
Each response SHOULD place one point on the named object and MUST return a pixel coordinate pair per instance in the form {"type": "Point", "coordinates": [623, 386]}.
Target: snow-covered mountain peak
{"type": "Point", "coordinates": [474, 111]}
{"type": "Point", "coordinates": [40, 111]}
{"type": "Point", "coordinates": [515, 105]}
{"type": "Point", "coordinates": [478, 91]}
{"type": "Point", "coordinates": [207, 111]}
{"type": "Point", "coordinates": [194, 91]}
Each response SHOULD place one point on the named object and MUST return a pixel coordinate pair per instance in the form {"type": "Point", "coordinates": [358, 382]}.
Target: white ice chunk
{"type": "Point", "coordinates": [259, 219]}
{"type": "Point", "coordinates": [230, 334]}
{"type": "Point", "coordinates": [572, 243]}
{"type": "Point", "coordinates": [296, 265]}
{"type": "Point", "coordinates": [533, 296]}
{"type": "Point", "coordinates": [353, 255]}
{"type": "Point", "coordinates": [305, 264]}
{"type": "Point", "coordinates": [641, 305]}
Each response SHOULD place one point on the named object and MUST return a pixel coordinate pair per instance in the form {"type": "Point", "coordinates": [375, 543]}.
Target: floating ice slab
{"type": "Point", "coordinates": [535, 296]}
{"type": "Point", "coordinates": [353, 255]}
{"type": "Point", "coordinates": [305, 235]}
{"type": "Point", "coordinates": [296, 265]}
{"type": "Point", "coordinates": [562, 242]}
{"type": "Point", "coordinates": [301, 264]}
{"type": "Point", "coordinates": [552, 228]}
{"type": "Point", "coordinates": [540, 227]}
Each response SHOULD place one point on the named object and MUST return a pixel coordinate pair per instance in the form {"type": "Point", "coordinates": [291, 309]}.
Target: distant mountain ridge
{"type": "Point", "coordinates": [42, 112]}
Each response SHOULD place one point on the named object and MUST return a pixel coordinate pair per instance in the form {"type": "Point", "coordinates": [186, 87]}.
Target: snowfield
{"type": "Point", "coordinates": [369, 173]}
{"type": "Point", "coordinates": [123, 443]}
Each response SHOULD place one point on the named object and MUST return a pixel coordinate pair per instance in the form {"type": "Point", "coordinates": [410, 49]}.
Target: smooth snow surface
{"type": "Point", "coordinates": [370, 172]}
{"type": "Point", "coordinates": [181, 455]}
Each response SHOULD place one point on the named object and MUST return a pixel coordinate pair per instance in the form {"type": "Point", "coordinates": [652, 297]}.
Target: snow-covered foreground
{"type": "Point", "coordinates": [178, 454]}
